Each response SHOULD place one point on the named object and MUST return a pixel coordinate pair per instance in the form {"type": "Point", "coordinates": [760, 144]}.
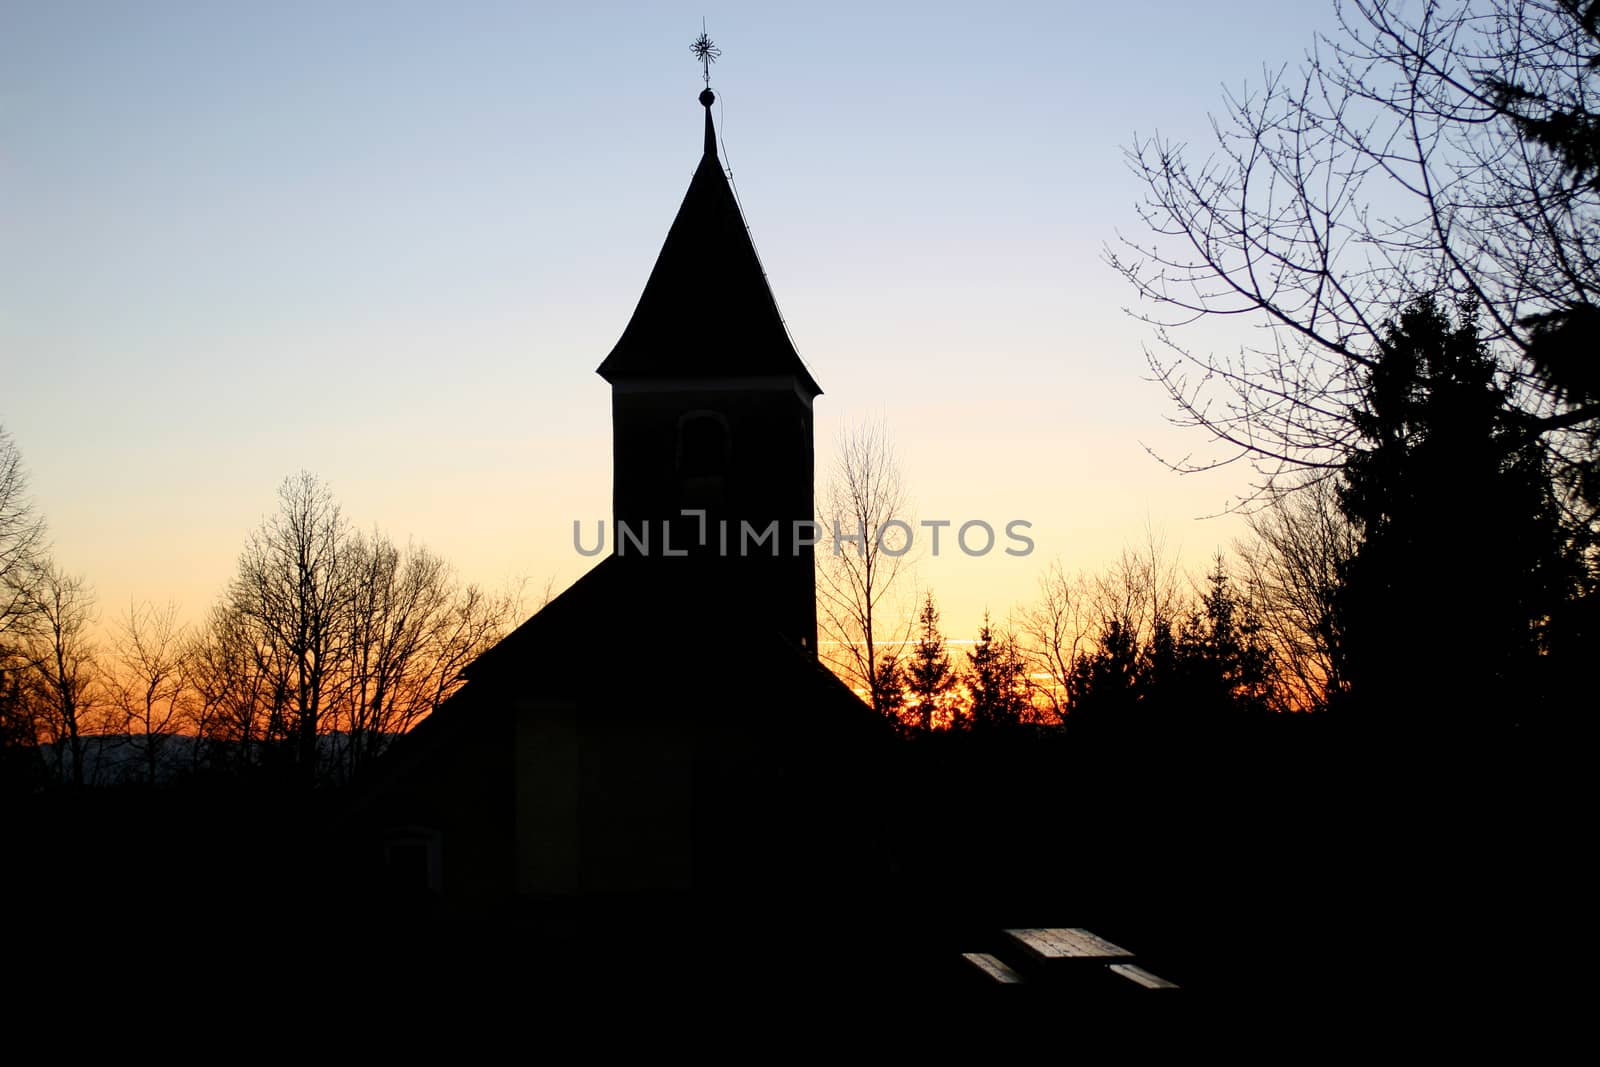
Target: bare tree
{"type": "Point", "coordinates": [151, 687]}
{"type": "Point", "coordinates": [476, 621]}
{"type": "Point", "coordinates": [21, 548]}
{"type": "Point", "coordinates": [332, 643]}
{"type": "Point", "coordinates": [1388, 166]}
{"type": "Point", "coordinates": [387, 617]}
{"type": "Point", "coordinates": [1294, 565]}
{"type": "Point", "coordinates": [410, 632]}
{"type": "Point", "coordinates": [63, 675]}
{"type": "Point", "coordinates": [230, 672]}
{"type": "Point", "coordinates": [1052, 636]}
{"type": "Point", "coordinates": [21, 545]}
{"type": "Point", "coordinates": [857, 584]}
{"type": "Point", "coordinates": [1141, 592]}
{"type": "Point", "coordinates": [291, 594]}
{"type": "Point", "coordinates": [1135, 611]}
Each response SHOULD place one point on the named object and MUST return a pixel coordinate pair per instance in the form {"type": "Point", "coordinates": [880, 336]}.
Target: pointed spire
{"type": "Point", "coordinates": [707, 98]}
{"type": "Point", "coordinates": [707, 311]}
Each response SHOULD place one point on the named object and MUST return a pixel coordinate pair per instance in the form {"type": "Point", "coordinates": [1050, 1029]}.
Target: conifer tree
{"type": "Point", "coordinates": [1463, 562]}
{"type": "Point", "coordinates": [890, 699]}
{"type": "Point", "coordinates": [996, 680]}
{"type": "Point", "coordinates": [931, 679]}
{"type": "Point", "coordinates": [1226, 664]}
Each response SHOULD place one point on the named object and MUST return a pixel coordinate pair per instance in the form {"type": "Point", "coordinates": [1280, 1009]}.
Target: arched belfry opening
{"type": "Point", "coordinates": [704, 453]}
{"type": "Point", "coordinates": [703, 445]}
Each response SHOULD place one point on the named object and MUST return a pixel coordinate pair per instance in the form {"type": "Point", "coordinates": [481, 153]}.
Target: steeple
{"type": "Point", "coordinates": [711, 415]}
{"type": "Point", "coordinates": [707, 311]}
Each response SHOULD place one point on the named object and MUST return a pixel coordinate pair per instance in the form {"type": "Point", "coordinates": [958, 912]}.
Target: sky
{"type": "Point", "coordinates": [389, 243]}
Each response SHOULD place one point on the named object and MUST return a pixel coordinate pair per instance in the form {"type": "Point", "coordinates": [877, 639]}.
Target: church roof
{"type": "Point", "coordinates": [676, 610]}
{"type": "Point", "coordinates": [707, 311]}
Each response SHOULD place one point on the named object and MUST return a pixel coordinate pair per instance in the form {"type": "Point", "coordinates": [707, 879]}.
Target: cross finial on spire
{"type": "Point", "coordinates": [706, 52]}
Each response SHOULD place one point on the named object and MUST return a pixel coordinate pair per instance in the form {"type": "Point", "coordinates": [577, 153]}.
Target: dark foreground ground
{"type": "Point", "coordinates": [1310, 864]}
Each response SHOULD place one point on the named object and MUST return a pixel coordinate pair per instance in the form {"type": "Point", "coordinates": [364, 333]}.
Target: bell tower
{"type": "Point", "coordinates": [711, 415]}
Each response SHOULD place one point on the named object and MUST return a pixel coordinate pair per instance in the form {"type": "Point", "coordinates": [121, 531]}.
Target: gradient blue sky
{"type": "Point", "coordinates": [390, 243]}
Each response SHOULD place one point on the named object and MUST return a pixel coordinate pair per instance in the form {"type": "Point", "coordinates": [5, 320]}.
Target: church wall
{"type": "Point", "coordinates": [637, 787]}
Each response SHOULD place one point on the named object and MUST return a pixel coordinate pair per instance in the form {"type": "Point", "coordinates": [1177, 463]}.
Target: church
{"type": "Point", "coordinates": [660, 738]}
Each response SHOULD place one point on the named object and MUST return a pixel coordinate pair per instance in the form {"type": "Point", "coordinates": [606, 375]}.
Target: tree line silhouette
{"type": "Point", "coordinates": [1422, 416]}
{"type": "Point", "coordinates": [326, 644]}
{"type": "Point", "coordinates": [1134, 646]}
{"type": "Point", "coordinates": [1441, 575]}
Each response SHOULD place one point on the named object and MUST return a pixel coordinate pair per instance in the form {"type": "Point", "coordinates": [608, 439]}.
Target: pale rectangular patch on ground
{"type": "Point", "coordinates": [1143, 977]}
{"type": "Point", "coordinates": [994, 967]}
{"type": "Point", "coordinates": [1059, 943]}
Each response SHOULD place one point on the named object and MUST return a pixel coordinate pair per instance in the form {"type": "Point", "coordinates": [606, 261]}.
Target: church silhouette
{"type": "Point", "coordinates": [660, 739]}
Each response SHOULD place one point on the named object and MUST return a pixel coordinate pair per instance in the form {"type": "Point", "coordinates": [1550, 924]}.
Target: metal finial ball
{"type": "Point", "coordinates": [707, 98]}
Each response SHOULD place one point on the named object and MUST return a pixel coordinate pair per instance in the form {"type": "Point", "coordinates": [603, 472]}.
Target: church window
{"type": "Point", "coordinates": [702, 445]}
